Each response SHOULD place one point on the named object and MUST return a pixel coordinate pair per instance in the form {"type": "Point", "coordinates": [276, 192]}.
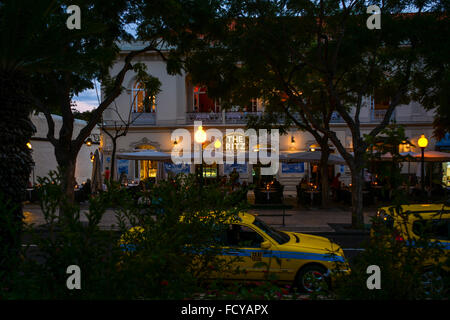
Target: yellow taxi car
{"type": "Point", "coordinates": [410, 223]}
{"type": "Point", "coordinates": [294, 258]}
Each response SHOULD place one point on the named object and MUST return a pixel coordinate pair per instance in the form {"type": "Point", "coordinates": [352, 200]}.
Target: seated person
{"type": "Point", "coordinates": [276, 183]}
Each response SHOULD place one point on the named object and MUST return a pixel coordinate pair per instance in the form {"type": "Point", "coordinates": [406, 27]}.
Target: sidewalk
{"type": "Point", "coordinates": [297, 219]}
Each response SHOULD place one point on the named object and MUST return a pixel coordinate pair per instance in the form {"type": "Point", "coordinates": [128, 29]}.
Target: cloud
{"type": "Point", "coordinates": [87, 100]}
{"type": "Point", "coordinates": [85, 105]}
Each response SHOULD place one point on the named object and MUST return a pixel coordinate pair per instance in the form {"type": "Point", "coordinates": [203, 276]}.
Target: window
{"type": "Point", "coordinates": [243, 236]}
{"type": "Point", "coordinates": [203, 103]}
{"type": "Point", "coordinates": [142, 102]}
{"type": "Point", "coordinates": [209, 170]}
{"type": "Point", "coordinates": [435, 229]}
{"type": "Point", "coordinates": [147, 168]}
{"type": "Point", "coordinates": [278, 236]}
{"type": "Point", "coordinates": [379, 102]}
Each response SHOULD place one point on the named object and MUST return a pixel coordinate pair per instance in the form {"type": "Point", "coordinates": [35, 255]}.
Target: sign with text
{"type": "Point", "coordinates": [177, 168]}
{"type": "Point", "coordinates": [122, 166]}
{"type": "Point", "coordinates": [235, 142]}
{"type": "Point", "coordinates": [240, 168]}
{"type": "Point", "coordinates": [298, 167]}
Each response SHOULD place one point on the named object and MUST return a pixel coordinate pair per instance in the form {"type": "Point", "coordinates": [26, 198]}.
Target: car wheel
{"type": "Point", "coordinates": [311, 279]}
{"type": "Point", "coordinates": [432, 283]}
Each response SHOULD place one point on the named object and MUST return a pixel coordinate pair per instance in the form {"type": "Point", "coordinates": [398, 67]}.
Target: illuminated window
{"type": "Point", "coordinates": [142, 102]}
{"type": "Point", "coordinates": [209, 170]}
{"type": "Point", "coordinates": [203, 103]}
{"type": "Point", "coordinates": [147, 168]}
{"type": "Point", "coordinates": [379, 102]}
{"type": "Point", "coordinates": [253, 105]}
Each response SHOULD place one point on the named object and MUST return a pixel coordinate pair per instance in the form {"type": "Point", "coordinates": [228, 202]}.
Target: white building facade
{"type": "Point", "coordinates": [44, 153]}
{"type": "Point", "coordinates": [181, 102]}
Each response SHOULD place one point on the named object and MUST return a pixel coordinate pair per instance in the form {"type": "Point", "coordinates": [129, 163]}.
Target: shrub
{"type": "Point", "coordinates": [181, 221]}
{"type": "Point", "coordinates": [402, 267]}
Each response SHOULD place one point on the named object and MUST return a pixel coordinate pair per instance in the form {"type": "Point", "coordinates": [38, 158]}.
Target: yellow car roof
{"type": "Point", "coordinates": [243, 217]}
{"type": "Point", "coordinates": [247, 217]}
{"type": "Point", "coordinates": [424, 210]}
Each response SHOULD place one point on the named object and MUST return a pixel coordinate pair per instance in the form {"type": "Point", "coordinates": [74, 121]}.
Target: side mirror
{"type": "Point", "coordinates": [265, 245]}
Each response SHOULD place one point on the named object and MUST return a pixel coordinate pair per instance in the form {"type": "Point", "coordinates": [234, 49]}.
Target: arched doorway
{"type": "Point", "coordinates": [146, 169]}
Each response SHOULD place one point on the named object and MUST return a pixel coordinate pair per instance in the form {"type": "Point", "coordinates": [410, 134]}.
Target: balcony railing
{"type": "Point", "coordinates": [221, 117]}
{"type": "Point", "coordinates": [378, 115]}
{"type": "Point", "coordinates": [143, 118]}
{"type": "Point", "coordinates": [239, 117]}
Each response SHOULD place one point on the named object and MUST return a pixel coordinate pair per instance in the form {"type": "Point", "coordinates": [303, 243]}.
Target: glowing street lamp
{"type": "Point", "coordinates": [29, 146]}
{"type": "Point", "coordinates": [217, 144]}
{"type": "Point", "coordinates": [88, 142]}
{"type": "Point", "coordinates": [200, 137]}
{"type": "Point", "coordinates": [423, 142]}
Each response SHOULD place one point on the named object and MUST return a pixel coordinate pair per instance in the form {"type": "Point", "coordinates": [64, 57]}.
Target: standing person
{"type": "Point", "coordinates": [234, 177]}
{"type": "Point", "coordinates": [336, 186]}
{"type": "Point", "coordinates": [123, 178]}
{"type": "Point", "coordinates": [367, 178]}
{"type": "Point", "coordinates": [107, 173]}
{"type": "Point", "coordinates": [87, 188]}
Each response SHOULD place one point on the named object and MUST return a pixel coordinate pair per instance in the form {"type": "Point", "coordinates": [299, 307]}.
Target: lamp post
{"type": "Point", "coordinates": [200, 137]}
{"type": "Point", "coordinates": [88, 142]}
{"type": "Point", "coordinates": [423, 142]}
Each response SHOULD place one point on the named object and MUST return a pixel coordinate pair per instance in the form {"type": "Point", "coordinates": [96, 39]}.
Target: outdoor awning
{"type": "Point", "coordinates": [311, 157]}
{"type": "Point", "coordinates": [429, 156]}
{"type": "Point", "coordinates": [145, 155]}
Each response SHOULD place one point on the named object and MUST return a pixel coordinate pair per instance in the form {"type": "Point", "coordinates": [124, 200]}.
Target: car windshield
{"type": "Point", "coordinates": [278, 236]}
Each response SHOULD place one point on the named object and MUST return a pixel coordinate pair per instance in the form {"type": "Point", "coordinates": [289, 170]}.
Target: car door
{"type": "Point", "coordinates": [243, 249]}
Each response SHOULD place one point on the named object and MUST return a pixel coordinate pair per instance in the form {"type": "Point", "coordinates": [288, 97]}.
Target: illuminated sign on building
{"type": "Point", "coordinates": [235, 142]}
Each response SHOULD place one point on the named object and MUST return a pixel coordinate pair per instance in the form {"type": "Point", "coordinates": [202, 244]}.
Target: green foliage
{"type": "Point", "coordinates": [181, 222]}
{"type": "Point", "coordinates": [267, 289]}
{"type": "Point", "coordinates": [389, 141]}
{"type": "Point", "coordinates": [405, 266]}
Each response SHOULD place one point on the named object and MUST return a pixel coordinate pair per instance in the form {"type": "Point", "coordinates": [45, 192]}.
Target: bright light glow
{"type": "Point", "coordinates": [29, 145]}
{"type": "Point", "coordinates": [200, 135]}
{"type": "Point", "coordinates": [423, 142]}
{"type": "Point", "coordinates": [217, 144]}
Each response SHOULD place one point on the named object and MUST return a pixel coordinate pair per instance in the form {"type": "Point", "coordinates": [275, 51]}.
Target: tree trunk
{"type": "Point", "coordinates": [66, 160]}
{"type": "Point", "coordinates": [325, 186]}
{"type": "Point", "coordinates": [113, 160]}
{"type": "Point", "coordinates": [68, 180]}
{"type": "Point", "coordinates": [15, 162]}
{"type": "Point", "coordinates": [357, 194]}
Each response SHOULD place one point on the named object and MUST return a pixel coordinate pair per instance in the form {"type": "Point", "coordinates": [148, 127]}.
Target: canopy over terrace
{"type": "Point", "coordinates": [148, 155]}
{"type": "Point", "coordinates": [310, 156]}
{"type": "Point", "coordinates": [145, 155]}
{"type": "Point", "coordinates": [429, 156]}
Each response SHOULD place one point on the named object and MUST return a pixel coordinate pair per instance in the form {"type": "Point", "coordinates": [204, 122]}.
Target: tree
{"type": "Point", "coordinates": [119, 128]}
{"type": "Point", "coordinates": [22, 52]}
{"type": "Point", "coordinates": [310, 48]}
{"type": "Point", "coordinates": [84, 57]}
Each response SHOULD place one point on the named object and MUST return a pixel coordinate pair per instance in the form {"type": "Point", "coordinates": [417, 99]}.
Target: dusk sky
{"type": "Point", "coordinates": [87, 100]}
